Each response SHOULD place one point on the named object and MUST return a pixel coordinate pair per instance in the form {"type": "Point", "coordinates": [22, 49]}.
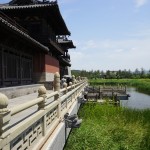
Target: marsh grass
{"type": "Point", "coordinates": [106, 127]}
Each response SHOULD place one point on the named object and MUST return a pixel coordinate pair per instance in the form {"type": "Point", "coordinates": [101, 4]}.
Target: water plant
{"type": "Point", "coordinates": [106, 127]}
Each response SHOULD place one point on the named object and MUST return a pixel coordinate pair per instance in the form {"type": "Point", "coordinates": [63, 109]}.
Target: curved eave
{"type": "Point", "coordinates": [64, 62]}
{"type": "Point", "coordinates": [56, 47]}
{"type": "Point", "coordinates": [11, 27]}
{"type": "Point", "coordinates": [62, 30]}
{"type": "Point", "coordinates": [67, 44]}
{"type": "Point", "coordinates": [52, 12]}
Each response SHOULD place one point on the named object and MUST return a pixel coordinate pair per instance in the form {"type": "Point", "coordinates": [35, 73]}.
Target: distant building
{"type": "Point", "coordinates": [33, 42]}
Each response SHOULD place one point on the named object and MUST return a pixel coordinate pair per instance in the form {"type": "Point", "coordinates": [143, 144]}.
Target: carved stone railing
{"type": "Point", "coordinates": [33, 132]}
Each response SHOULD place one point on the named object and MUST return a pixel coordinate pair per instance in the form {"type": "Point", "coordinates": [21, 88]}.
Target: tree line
{"type": "Point", "coordinates": [120, 74]}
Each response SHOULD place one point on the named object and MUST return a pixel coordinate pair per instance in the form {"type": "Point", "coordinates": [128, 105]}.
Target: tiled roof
{"type": "Point", "coordinates": [59, 24]}
{"type": "Point", "coordinates": [5, 7]}
{"type": "Point", "coordinates": [9, 25]}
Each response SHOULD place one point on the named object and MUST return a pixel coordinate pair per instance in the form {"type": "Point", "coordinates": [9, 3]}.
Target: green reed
{"type": "Point", "coordinates": [106, 127]}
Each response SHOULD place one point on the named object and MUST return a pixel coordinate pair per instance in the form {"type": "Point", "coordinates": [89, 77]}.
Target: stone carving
{"type": "Point", "coordinates": [51, 116]}
{"type": "Point", "coordinates": [28, 137]}
{"type": "Point", "coordinates": [4, 116]}
{"type": "Point", "coordinates": [42, 91]}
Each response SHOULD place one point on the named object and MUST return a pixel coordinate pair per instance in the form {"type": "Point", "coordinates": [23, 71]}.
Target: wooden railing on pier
{"type": "Point", "coordinates": [107, 92]}
{"type": "Point", "coordinates": [33, 132]}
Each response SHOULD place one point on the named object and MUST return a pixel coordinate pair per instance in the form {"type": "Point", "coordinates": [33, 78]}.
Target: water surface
{"type": "Point", "coordinates": [137, 100]}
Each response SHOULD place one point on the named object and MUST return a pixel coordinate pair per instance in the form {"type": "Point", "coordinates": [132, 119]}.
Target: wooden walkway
{"type": "Point", "coordinates": [116, 93]}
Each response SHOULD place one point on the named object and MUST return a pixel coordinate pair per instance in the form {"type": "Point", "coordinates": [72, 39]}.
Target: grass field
{"type": "Point", "coordinates": [106, 127]}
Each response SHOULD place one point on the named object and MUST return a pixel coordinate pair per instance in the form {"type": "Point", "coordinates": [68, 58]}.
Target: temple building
{"type": "Point", "coordinates": [33, 42]}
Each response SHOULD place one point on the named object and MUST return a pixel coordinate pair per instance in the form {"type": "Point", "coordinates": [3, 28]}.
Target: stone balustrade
{"type": "Point", "coordinates": [33, 132]}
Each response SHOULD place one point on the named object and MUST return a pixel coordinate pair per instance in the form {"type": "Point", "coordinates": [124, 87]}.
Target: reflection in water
{"type": "Point", "coordinates": [137, 100]}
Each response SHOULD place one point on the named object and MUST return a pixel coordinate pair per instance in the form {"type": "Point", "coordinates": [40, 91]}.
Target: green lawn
{"type": "Point", "coordinates": [106, 127]}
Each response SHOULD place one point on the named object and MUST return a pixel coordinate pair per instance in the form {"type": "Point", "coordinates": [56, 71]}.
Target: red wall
{"type": "Point", "coordinates": [39, 62]}
{"type": "Point", "coordinates": [51, 64]}
{"type": "Point", "coordinates": [45, 63]}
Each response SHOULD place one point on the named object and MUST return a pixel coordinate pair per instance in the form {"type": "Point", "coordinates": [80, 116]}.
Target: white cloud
{"type": "Point", "coordinates": [90, 45]}
{"type": "Point", "coordinates": [119, 50]}
{"type": "Point", "coordinates": [139, 3]}
{"type": "Point", "coordinates": [142, 33]}
{"type": "Point", "coordinates": [76, 55]}
{"type": "Point", "coordinates": [112, 54]}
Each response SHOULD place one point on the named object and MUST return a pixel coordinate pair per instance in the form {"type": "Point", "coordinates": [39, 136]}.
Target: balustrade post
{"type": "Point", "coordinates": [65, 86]}
{"type": "Point", "coordinates": [57, 84]}
{"type": "Point", "coordinates": [5, 117]}
{"type": "Point", "coordinates": [57, 88]}
{"type": "Point", "coordinates": [41, 106]}
{"type": "Point", "coordinates": [70, 84]}
{"type": "Point", "coordinates": [42, 93]}
{"type": "Point", "coordinates": [79, 78]}
{"type": "Point", "coordinates": [73, 83]}
{"type": "Point", "coordinates": [73, 79]}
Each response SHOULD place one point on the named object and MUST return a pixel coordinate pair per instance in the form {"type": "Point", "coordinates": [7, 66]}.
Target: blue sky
{"type": "Point", "coordinates": [108, 34]}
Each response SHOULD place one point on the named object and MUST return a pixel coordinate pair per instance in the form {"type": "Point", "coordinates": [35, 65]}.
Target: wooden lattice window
{"type": "Point", "coordinates": [17, 67]}
{"type": "Point", "coordinates": [26, 68]}
{"type": "Point", "coordinates": [11, 65]}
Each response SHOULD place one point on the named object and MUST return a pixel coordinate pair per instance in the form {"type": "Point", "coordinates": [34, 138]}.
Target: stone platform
{"type": "Point", "coordinates": [17, 91]}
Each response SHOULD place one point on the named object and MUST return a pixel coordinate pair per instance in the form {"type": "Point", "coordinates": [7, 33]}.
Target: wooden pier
{"type": "Point", "coordinates": [114, 93]}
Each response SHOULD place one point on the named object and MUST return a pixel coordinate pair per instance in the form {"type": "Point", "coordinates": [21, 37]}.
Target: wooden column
{"type": "Point", "coordinates": [3, 68]}
{"type": "Point", "coordinates": [20, 61]}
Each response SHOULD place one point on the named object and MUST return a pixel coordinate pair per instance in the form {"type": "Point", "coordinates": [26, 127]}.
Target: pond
{"type": "Point", "coordinates": [137, 100]}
